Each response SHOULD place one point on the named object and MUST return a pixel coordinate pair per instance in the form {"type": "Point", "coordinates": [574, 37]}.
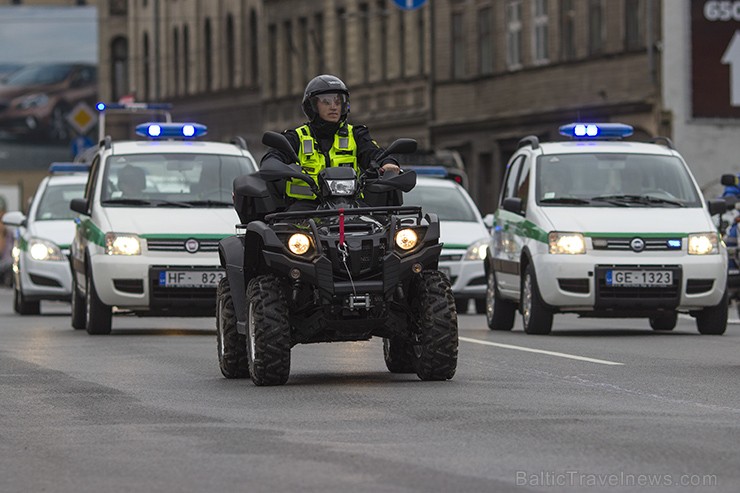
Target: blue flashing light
{"type": "Point", "coordinates": [69, 168]}
{"type": "Point", "coordinates": [171, 130]}
{"type": "Point", "coordinates": [596, 130]}
{"type": "Point", "coordinates": [100, 106]}
{"type": "Point", "coordinates": [428, 170]}
{"type": "Point", "coordinates": [674, 244]}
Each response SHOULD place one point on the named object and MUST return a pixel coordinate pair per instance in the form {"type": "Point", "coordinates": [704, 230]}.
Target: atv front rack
{"type": "Point", "coordinates": [356, 211]}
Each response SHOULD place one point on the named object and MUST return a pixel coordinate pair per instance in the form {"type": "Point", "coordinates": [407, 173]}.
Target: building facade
{"type": "Point", "coordinates": [470, 75]}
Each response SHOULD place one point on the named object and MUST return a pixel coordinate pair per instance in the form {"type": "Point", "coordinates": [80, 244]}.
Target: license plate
{"type": "Point", "coordinates": [190, 279]}
{"type": "Point", "coordinates": [639, 278]}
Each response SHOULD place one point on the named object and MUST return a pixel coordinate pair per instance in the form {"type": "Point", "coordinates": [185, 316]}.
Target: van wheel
{"type": "Point", "coordinates": [399, 355]}
{"type": "Point", "coordinates": [22, 306]}
{"type": "Point", "coordinates": [536, 316]}
{"type": "Point", "coordinates": [480, 306]}
{"type": "Point", "coordinates": [98, 321]}
{"type": "Point", "coordinates": [500, 313]}
{"type": "Point", "coordinates": [664, 322]}
{"type": "Point", "coordinates": [461, 305]}
{"type": "Point", "coordinates": [713, 320]}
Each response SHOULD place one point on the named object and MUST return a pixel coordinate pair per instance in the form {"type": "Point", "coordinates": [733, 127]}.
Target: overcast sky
{"type": "Point", "coordinates": [48, 34]}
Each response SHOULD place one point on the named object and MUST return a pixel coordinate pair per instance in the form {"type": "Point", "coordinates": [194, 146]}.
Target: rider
{"type": "Point", "coordinates": [327, 137]}
{"type": "Point", "coordinates": [732, 192]}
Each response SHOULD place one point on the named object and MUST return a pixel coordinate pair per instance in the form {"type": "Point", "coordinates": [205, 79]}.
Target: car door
{"type": "Point", "coordinates": [83, 223]}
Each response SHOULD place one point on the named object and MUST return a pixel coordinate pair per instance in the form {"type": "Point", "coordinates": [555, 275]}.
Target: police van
{"type": "Point", "coordinates": [603, 227]}
{"type": "Point", "coordinates": [153, 213]}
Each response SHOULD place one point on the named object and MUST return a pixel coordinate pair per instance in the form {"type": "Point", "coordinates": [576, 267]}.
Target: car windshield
{"type": "Point", "coordinates": [54, 202]}
{"type": "Point", "coordinates": [172, 180]}
{"type": "Point", "coordinates": [614, 180]}
{"type": "Point", "coordinates": [39, 74]}
{"type": "Point", "coordinates": [447, 202]}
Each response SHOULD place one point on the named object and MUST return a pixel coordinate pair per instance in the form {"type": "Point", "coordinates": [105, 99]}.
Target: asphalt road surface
{"type": "Point", "coordinates": [599, 405]}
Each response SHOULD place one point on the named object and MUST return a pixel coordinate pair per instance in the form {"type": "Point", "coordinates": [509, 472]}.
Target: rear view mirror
{"type": "Point", "coordinates": [78, 205]}
{"type": "Point", "coordinates": [14, 218]}
{"type": "Point", "coordinates": [513, 204]}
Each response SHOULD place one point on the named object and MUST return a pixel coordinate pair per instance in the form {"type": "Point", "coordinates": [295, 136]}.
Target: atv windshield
{"type": "Point", "coordinates": [172, 180]}
{"type": "Point", "coordinates": [614, 180]}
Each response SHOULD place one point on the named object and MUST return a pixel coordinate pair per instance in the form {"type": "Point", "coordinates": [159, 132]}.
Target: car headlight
{"type": "Point", "coordinates": [477, 251]}
{"type": "Point", "coordinates": [406, 239]}
{"type": "Point", "coordinates": [34, 101]}
{"type": "Point", "coordinates": [342, 187]}
{"type": "Point", "coordinates": [566, 243]}
{"type": "Point", "coordinates": [299, 243]}
{"type": "Point", "coordinates": [703, 244]}
{"type": "Point", "coordinates": [122, 244]}
{"type": "Point", "coordinates": [44, 250]}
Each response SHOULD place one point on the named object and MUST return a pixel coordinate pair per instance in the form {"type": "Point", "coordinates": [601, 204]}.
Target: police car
{"type": "Point", "coordinates": [463, 233]}
{"type": "Point", "coordinates": [153, 213]}
{"type": "Point", "coordinates": [41, 245]}
{"type": "Point", "coordinates": [603, 227]}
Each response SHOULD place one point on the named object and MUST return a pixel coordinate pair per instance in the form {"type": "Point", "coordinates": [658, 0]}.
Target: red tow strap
{"type": "Point", "coordinates": [341, 226]}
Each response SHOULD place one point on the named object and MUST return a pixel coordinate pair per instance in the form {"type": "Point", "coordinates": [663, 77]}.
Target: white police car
{"type": "Point", "coordinates": [153, 213]}
{"type": "Point", "coordinates": [463, 233]}
{"type": "Point", "coordinates": [603, 227]}
{"type": "Point", "coordinates": [41, 245]}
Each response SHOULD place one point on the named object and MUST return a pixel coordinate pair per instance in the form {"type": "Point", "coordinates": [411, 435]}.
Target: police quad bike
{"type": "Point", "coordinates": [360, 265]}
{"type": "Point", "coordinates": [728, 227]}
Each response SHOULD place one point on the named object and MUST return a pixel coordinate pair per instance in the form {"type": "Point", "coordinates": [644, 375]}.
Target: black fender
{"type": "Point", "coordinates": [231, 256]}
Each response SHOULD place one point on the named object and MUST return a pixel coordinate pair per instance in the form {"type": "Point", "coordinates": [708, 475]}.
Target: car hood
{"type": "Point", "coordinates": [60, 232]}
{"type": "Point", "coordinates": [628, 220]}
{"type": "Point", "coordinates": [460, 234]}
{"type": "Point", "coordinates": [195, 221]}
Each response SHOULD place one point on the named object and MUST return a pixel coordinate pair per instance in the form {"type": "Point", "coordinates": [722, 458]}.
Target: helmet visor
{"type": "Point", "coordinates": [329, 101]}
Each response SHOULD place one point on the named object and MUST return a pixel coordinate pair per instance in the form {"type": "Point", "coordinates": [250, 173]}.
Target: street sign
{"type": "Point", "coordinates": [715, 59]}
{"type": "Point", "coordinates": [409, 4]}
{"type": "Point", "coordinates": [82, 118]}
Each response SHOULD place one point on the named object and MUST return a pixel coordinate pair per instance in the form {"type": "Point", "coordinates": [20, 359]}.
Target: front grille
{"type": "Point", "coordinates": [638, 296]}
{"type": "Point", "coordinates": [206, 245]}
{"type": "Point", "coordinates": [134, 286]}
{"type": "Point", "coordinates": [478, 281]}
{"type": "Point", "coordinates": [574, 285]}
{"type": "Point", "coordinates": [162, 294]}
{"type": "Point", "coordinates": [696, 286]}
{"type": "Point", "coordinates": [651, 244]}
{"type": "Point", "coordinates": [44, 281]}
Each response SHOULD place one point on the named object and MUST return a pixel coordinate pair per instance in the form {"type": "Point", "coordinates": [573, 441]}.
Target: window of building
{"type": "Point", "coordinates": [402, 43]}
{"type": "Point", "coordinates": [540, 29]}
{"type": "Point", "coordinates": [272, 57]}
{"type": "Point", "coordinates": [318, 42]}
{"type": "Point", "coordinates": [288, 56]}
{"type": "Point", "coordinates": [303, 50]}
{"type": "Point", "coordinates": [458, 46]}
{"type": "Point", "coordinates": [118, 7]}
{"type": "Point", "coordinates": [421, 41]}
{"type": "Point", "coordinates": [230, 51]}
{"type": "Point", "coordinates": [595, 27]}
{"type": "Point", "coordinates": [119, 68]}
{"type": "Point", "coordinates": [485, 41]}
{"type": "Point", "coordinates": [342, 41]}
{"type": "Point", "coordinates": [254, 47]}
{"type": "Point", "coordinates": [364, 41]}
{"type": "Point", "coordinates": [208, 55]}
{"type": "Point", "coordinates": [567, 30]}
{"type": "Point", "coordinates": [514, 34]}
{"type": "Point", "coordinates": [633, 25]}
{"type": "Point", "coordinates": [186, 59]}
{"type": "Point", "coordinates": [145, 67]}
{"type": "Point", "coordinates": [175, 61]}
{"type": "Point", "coordinates": [383, 41]}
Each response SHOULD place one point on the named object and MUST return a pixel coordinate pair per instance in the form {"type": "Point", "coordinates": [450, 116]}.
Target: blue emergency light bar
{"type": "Point", "coordinates": [69, 168]}
{"type": "Point", "coordinates": [101, 106]}
{"type": "Point", "coordinates": [428, 170]}
{"type": "Point", "coordinates": [596, 130]}
{"type": "Point", "coordinates": [170, 130]}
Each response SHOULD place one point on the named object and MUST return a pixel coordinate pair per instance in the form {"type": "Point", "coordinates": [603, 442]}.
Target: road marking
{"type": "Point", "coordinates": [541, 351]}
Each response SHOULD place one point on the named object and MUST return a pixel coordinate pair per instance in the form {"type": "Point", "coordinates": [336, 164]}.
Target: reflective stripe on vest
{"type": "Point", "coordinates": [343, 152]}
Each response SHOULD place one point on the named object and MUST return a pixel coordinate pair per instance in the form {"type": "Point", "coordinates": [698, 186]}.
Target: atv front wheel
{"type": "Point", "coordinates": [232, 346]}
{"type": "Point", "coordinates": [399, 355]}
{"type": "Point", "coordinates": [268, 331]}
{"type": "Point", "coordinates": [435, 326]}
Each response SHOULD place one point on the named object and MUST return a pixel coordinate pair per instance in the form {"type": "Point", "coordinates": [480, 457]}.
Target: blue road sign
{"type": "Point", "coordinates": [409, 4]}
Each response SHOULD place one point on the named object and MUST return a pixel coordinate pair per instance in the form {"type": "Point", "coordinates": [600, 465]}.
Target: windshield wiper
{"type": "Point", "coordinates": [165, 203]}
{"type": "Point", "coordinates": [564, 200]}
{"type": "Point", "coordinates": [126, 202]}
{"type": "Point", "coordinates": [636, 199]}
{"type": "Point", "coordinates": [217, 203]}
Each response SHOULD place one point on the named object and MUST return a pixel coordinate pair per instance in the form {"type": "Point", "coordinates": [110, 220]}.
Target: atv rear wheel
{"type": "Point", "coordinates": [435, 326]}
{"type": "Point", "coordinates": [231, 345]}
{"type": "Point", "coordinates": [268, 331]}
{"type": "Point", "coordinates": [399, 355]}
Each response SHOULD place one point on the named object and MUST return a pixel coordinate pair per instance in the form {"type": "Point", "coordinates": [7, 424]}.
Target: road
{"type": "Point", "coordinates": [599, 405]}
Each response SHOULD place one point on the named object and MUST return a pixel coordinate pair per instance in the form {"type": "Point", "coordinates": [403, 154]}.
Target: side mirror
{"type": "Point", "coordinates": [488, 221]}
{"type": "Point", "coordinates": [78, 205]}
{"type": "Point", "coordinates": [729, 180]}
{"type": "Point", "coordinates": [513, 204]}
{"type": "Point", "coordinates": [399, 146]}
{"type": "Point", "coordinates": [14, 218]}
{"type": "Point", "coordinates": [279, 142]}
{"type": "Point", "coordinates": [716, 206]}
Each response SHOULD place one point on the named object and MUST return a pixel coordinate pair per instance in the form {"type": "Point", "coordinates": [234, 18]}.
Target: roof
{"type": "Point", "coordinates": [427, 181]}
{"type": "Point", "coordinates": [68, 178]}
{"type": "Point", "coordinates": [604, 146]}
{"type": "Point", "coordinates": [175, 146]}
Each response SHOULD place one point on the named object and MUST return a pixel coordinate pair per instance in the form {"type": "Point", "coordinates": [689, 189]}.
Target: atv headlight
{"type": "Point", "coordinates": [477, 251]}
{"type": "Point", "coordinates": [299, 243]}
{"type": "Point", "coordinates": [703, 244]}
{"type": "Point", "coordinates": [341, 187]}
{"type": "Point", "coordinates": [406, 239]}
{"type": "Point", "coordinates": [44, 250]}
{"type": "Point", "coordinates": [566, 243]}
{"type": "Point", "coordinates": [122, 244]}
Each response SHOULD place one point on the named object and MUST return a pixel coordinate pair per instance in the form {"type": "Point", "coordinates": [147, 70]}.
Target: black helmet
{"type": "Point", "coordinates": [323, 84]}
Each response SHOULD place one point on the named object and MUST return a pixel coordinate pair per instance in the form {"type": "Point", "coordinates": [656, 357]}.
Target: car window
{"type": "Point", "coordinates": [185, 177]}
{"type": "Point", "coordinates": [599, 176]}
{"type": "Point", "coordinates": [448, 203]}
{"type": "Point", "coordinates": [54, 203]}
{"type": "Point", "coordinates": [39, 74]}
{"type": "Point", "coordinates": [510, 182]}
